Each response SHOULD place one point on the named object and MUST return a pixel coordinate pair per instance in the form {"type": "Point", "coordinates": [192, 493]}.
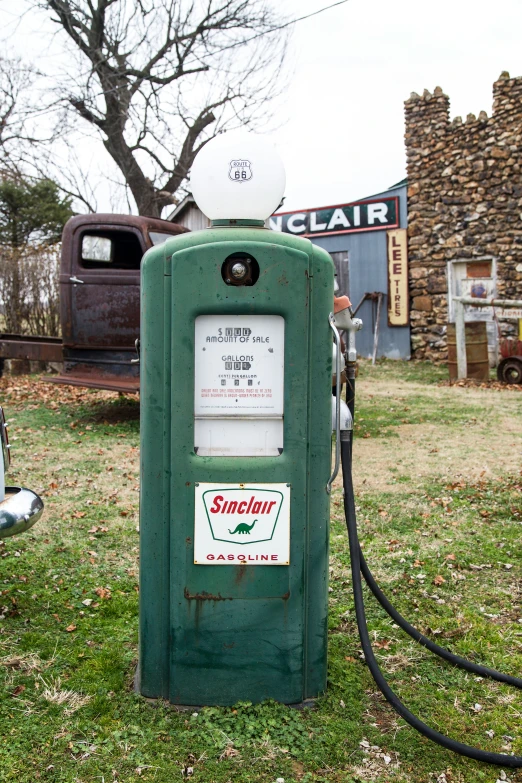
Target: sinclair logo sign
{"type": "Point", "coordinates": [245, 524]}
{"type": "Point", "coordinates": [372, 215]}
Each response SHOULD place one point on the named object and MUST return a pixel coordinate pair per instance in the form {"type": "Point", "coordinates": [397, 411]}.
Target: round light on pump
{"type": "Point", "coordinates": [238, 176]}
{"type": "Point", "coordinates": [239, 271]}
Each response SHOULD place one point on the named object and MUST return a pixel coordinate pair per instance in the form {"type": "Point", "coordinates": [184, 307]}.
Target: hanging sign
{"type": "Point", "coordinates": [242, 524]}
{"type": "Point", "coordinates": [398, 292]}
{"type": "Point", "coordinates": [341, 219]}
{"type": "Point", "coordinates": [478, 288]}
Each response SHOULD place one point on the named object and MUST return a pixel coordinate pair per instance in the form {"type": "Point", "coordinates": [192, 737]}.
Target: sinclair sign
{"type": "Point", "coordinates": [341, 219]}
{"type": "Point", "coordinates": [242, 524]}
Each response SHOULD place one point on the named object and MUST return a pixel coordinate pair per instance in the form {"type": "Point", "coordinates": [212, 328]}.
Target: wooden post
{"type": "Point", "coordinates": [377, 325]}
{"type": "Point", "coordinates": [460, 335]}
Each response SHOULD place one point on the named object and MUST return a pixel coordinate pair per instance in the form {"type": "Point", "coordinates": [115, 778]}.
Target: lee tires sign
{"type": "Point", "coordinates": [242, 524]}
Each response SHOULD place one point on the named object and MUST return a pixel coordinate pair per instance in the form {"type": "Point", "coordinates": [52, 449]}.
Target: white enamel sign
{"type": "Point", "coordinates": [239, 385]}
{"type": "Point", "coordinates": [239, 362]}
{"type": "Point", "coordinates": [242, 524]}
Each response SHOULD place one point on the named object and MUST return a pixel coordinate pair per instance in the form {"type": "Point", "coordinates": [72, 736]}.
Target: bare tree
{"type": "Point", "coordinates": [33, 134]}
{"type": "Point", "coordinates": [157, 78]}
{"type": "Point", "coordinates": [19, 113]}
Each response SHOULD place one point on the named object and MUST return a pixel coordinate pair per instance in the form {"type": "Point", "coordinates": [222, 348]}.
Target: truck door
{"type": "Point", "coordinates": [100, 288]}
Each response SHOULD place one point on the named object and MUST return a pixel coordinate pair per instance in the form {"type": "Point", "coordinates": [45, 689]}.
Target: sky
{"type": "Point", "coordinates": [340, 124]}
{"type": "Point", "coordinates": [356, 64]}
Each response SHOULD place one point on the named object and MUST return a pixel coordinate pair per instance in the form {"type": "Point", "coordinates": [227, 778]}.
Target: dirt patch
{"type": "Point", "coordinates": [25, 390]}
{"type": "Point", "coordinates": [115, 486]}
{"type": "Point", "coordinates": [380, 712]}
{"type": "Point", "coordinates": [488, 385]}
{"type": "Point", "coordinates": [427, 450]}
{"type": "Point", "coordinates": [486, 395]}
{"type": "Point", "coordinates": [489, 445]}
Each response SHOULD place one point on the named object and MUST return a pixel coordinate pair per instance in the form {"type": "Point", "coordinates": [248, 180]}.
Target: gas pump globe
{"type": "Point", "coordinates": [236, 386]}
{"type": "Point", "coordinates": [238, 176]}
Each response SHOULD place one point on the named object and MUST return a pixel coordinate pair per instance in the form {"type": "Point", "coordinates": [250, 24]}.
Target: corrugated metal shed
{"type": "Point", "coordinates": [188, 214]}
{"type": "Point", "coordinates": [367, 272]}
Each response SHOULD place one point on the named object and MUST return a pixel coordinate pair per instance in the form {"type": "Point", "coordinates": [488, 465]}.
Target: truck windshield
{"type": "Point", "coordinates": [158, 237]}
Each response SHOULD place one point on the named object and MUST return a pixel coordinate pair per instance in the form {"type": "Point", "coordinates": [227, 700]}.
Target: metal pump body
{"type": "Point", "coordinates": [236, 374]}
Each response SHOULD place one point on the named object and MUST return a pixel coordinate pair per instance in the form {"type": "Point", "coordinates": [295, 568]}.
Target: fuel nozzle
{"type": "Point", "coordinates": [345, 321]}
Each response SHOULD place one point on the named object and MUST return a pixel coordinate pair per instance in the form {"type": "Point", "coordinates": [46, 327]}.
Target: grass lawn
{"type": "Point", "coordinates": [438, 481]}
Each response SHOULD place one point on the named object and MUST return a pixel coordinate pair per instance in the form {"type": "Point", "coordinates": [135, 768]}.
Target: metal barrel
{"type": "Point", "coordinates": [476, 351]}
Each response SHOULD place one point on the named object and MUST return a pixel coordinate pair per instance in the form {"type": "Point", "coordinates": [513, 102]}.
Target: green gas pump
{"type": "Point", "coordinates": [236, 389]}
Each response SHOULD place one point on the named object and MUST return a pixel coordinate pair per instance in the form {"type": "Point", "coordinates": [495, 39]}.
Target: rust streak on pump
{"type": "Point", "coordinates": [204, 596]}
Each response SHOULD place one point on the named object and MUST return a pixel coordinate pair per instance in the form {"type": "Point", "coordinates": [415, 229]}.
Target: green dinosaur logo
{"type": "Point", "coordinates": [243, 528]}
{"type": "Point", "coordinates": [242, 515]}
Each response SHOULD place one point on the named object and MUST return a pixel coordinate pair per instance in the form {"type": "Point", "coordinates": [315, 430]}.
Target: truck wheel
{"type": "Point", "coordinates": [510, 370]}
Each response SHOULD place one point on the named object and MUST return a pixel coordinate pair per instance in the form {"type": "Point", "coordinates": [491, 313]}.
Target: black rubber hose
{"type": "Point", "coordinates": [500, 759]}
{"type": "Point", "coordinates": [457, 660]}
{"type": "Point", "coordinates": [350, 387]}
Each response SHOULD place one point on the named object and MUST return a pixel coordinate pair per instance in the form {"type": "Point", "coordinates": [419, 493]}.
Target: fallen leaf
{"type": "Point", "coordinates": [70, 628]}
{"type": "Point", "coordinates": [438, 580]}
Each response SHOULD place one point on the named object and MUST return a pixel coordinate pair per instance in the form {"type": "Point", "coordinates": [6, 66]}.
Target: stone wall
{"type": "Point", "coordinates": [464, 202]}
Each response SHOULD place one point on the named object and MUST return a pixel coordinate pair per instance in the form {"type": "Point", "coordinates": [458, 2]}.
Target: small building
{"type": "Point", "coordinates": [367, 241]}
{"type": "Point", "coordinates": [464, 213]}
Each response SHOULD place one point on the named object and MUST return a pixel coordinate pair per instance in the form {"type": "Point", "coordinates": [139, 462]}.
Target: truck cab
{"type": "Point", "coordinates": [100, 297]}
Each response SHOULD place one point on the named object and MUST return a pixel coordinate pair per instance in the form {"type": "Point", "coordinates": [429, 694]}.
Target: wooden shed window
{"type": "Point", "coordinates": [342, 272]}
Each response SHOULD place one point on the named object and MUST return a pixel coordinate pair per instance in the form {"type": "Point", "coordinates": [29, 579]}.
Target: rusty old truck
{"type": "Point", "coordinates": [99, 302]}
